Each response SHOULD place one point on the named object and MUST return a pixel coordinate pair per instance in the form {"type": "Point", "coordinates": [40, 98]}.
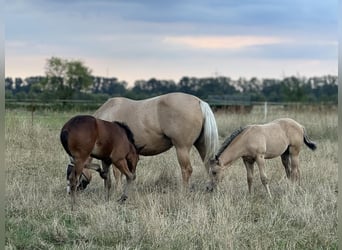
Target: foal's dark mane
{"type": "Point", "coordinates": [229, 140]}
{"type": "Point", "coordinates": [128, 131]}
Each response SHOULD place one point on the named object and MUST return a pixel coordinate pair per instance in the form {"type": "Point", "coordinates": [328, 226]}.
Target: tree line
{"type": "Point", "coordinates": [66, 79]}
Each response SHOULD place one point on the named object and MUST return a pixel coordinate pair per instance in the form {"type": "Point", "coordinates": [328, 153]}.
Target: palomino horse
{"type": "Point", "coordinates": [255, 143]}
{"type": "Point", "coordinates": [85, 136]}
{"type": "Point", "coordinates": [158, 123]}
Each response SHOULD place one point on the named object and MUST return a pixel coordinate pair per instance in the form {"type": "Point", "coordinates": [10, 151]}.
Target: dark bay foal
{"type": "Point", "coordinates": [84, 136]}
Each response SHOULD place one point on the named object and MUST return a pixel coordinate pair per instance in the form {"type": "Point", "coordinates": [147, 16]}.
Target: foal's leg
{"type": "Point", "coordinates": [250, 172]}
{"type": "Point", "coordinates": [294, 157]}
{"type": "Point", "coordinates": [285, 159]}
{"type": "Point", "coordinates": [123, 167]}
{"type": "Point", "coordinates": [261, 164]}
{"type": "Point", "coordinates": [107, 179]}
{"type": "Point", "coordinates": [74, 179]}
{"type": "Point", "coordinates": [118, 178]}
{"type": "Point", "coordinates": [185, 164]}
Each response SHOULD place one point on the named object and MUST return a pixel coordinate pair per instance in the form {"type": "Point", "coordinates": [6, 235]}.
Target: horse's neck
{"type": "Point", "coordinates": [232, 153]}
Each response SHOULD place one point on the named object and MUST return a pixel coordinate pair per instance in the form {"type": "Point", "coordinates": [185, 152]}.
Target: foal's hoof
{"type": "Point", "coordinates": [122, 199]}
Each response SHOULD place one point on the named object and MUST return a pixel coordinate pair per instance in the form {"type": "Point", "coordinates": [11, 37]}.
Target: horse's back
{"type": "Point", "coordinates": [117, 107]}
{"type": "Point", "coordinates": [281, 133]}
{"type": "Point", "coordinates": [111, 109]}
{"type": "Point", "coordinates": [292, 128]}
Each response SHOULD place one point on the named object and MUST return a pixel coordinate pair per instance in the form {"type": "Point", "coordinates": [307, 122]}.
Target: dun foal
{"type": "Point", "coordinates": [255, 143]}
{"type": "Point", "coordinates": [85, 136]}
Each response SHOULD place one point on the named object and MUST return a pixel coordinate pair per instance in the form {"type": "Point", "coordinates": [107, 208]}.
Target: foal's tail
{"type": "Point", "coordinates": [210, 134]}
{"type": "Point", "coordinates": [308, 142]}
{"type": "Point", "coordinates": [64, 140]}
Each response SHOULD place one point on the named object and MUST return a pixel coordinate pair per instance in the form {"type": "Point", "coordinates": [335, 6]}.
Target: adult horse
{"type": "Point", "coordinates": [283, 137]}
{"type": "Point", "coordinates": [174, 119]}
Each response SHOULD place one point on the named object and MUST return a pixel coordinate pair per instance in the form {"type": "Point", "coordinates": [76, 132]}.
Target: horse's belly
{"type": "Point", "coordinates": [275, 149]}
{"type": "Point", "coordinates": [272, 155]}
{"type": "Point", "coordinates": [153, 145]}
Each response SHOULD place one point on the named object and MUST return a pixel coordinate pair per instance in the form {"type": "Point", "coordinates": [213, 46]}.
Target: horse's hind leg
{"type": "Point", "coordinates": [199, 145]}
{"type": "Point", "coordinates": [250, 172]}
{"type": "Point", "coordinates": [107, 179]}
{"type": "Point", "coordinates": [261, 164]}
{"type": "Point", "coordinates": [285, 159]}
{"type": "Point", "coordinates": [294, 158]}
{"type": "Point", "coordinates": [74, 179]}
{"type": "Point", "coordinates": [185, 164]}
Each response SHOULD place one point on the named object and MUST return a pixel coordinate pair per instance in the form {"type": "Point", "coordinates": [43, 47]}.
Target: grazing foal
{"type": "Point", "coordinates": [255, 143]}
{"type": "Point", "coordinates": [85, 136]}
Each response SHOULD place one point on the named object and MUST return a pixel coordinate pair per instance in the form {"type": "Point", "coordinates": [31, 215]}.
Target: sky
{"type": "Point", "coordinates": [141, 39]}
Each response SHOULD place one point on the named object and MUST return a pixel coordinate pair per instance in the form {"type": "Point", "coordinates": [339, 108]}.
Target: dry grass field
{"type": "Point", "coordinates": [157, 214]}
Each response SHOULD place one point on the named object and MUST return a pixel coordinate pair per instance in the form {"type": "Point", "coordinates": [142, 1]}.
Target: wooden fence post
{"type": "Point", "coordinates": [265, 111]}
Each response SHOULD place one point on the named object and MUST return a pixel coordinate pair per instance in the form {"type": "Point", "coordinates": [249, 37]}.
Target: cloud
{"type": "Point", "coordinates": [153, 37]}
{"type": "Point", "coordinates": [223, 42]}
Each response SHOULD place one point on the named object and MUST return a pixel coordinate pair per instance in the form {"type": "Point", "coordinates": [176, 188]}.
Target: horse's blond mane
{"type": "Point", "coordinates": [229, 140]}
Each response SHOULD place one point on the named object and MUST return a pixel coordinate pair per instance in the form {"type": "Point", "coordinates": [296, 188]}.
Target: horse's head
{"type": "Point", "coordinates": [84, 179]}
{"type": "Point", "coordinates": [215, 173]}
{"type": "Point", "coordinates": [132, 159]}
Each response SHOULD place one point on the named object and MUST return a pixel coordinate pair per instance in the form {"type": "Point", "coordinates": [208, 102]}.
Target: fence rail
{"type": "Point", "coordinates": [216, 103]}
{"type": "Point", "coordinates": [32, 104]}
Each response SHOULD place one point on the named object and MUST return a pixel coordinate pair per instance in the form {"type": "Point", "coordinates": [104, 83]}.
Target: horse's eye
{"type": "Point", "coordinates": [213, 172]}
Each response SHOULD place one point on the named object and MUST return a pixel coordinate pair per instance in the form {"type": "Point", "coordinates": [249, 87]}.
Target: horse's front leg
{"type": "Point", "coordinates": [126, 190]}
{"type": "Point", "coordinates": [123, 167]}
{"type": "Point", "coordinates": [107, 179]}
{"type": "Point", "coordinates": [185, 164]}
{"type": "Point", "coordinates": [249, 164]}
{"type": "Point", "coordinates": [118, 179]}
{"type": "Point", "coordinates": [260, 160]}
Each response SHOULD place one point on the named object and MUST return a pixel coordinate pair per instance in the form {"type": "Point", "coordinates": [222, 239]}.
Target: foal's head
{"type": "Point", "coordinates": [215, 173]}
{"type": "Point", "coordinates": [83, 181]}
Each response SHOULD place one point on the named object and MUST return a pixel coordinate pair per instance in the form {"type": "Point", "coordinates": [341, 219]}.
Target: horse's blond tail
{"type": "Point", "coordinates": [210, 134]}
